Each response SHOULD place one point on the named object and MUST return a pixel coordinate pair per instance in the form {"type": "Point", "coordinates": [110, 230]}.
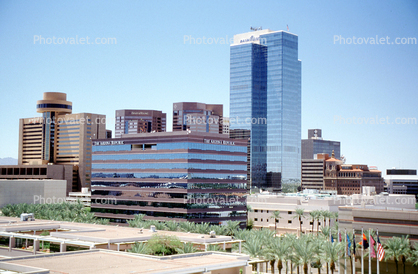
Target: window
{"type": "Point", "coordinates": [311, 223]}
{"type": "Point", "coordinates": [255, 210]}
{"type": "Point", "coordinates": [261, 219]}
{"type": "Point", "coordinates": [267, 211]}
{"type": "Point", "coordinates": [261, 211]}
{"type": "Point", "coordinates": [289, 212]}
{"type": "Point", "coordinates": [289, 221]}
{"type": "Point", "coordinates": [255, 219]}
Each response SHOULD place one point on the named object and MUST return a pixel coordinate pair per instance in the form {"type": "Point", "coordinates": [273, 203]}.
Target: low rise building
{"type": "Point", "coordinates": [199, 177]}
{"type": "Point", "coordinates": [391, 214]}
{"type": "Point", "coordinates": [348, 179]}
{"type": "Point", "coordinates": [263, 205]}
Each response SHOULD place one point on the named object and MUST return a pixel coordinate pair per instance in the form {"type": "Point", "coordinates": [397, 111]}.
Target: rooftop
{"type": "Point", "coordinates": [110, 262]}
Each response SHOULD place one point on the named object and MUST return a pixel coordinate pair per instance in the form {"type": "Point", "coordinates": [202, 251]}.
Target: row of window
{"type": "Point", "coordinates": [170, 175]}
{"type": "Point", "coordinates": [169, 156]}
{"type": "Point", "coordinates": [183, 145]}
{"type": "Point", "coordinates": [170, 185]}
{"type": "Point", "coordinates": [170, 166]}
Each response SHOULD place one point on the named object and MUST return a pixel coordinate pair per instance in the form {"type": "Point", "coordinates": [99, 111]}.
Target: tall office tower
{"type": "Point", "coordinates": [198, 117]}
{"type": "Point", "coordinates": [133, 121]}
{"type": "Point", "coordinates": [60, 137]}
{"type": "Point", "coordinates": [315, 145]}
{"type": "Point", "coordinates": [265, 98]}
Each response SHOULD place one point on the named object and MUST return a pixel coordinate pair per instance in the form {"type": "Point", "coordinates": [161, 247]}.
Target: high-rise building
{"type": "Point", "coordinates": [315, 145]}
{"type": "Point", "coordinates": [265, 98]}
{"type": "Point", "coordinates": [313, 172]}
{"type": "Point", "coordinates": [130, 121]}
{"type": "Point", "coordinates": [60, 137]}
{"type": "Point", "coordinates": [198, 117]}
{"type": "Point", "coordinates": [194, 176]}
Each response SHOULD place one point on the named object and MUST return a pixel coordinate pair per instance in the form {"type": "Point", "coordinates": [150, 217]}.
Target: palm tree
{"type": "Point", "coordinates": [334, 215]}
{"type": "Point", "coordinates": [231, 227]}
{"type": "Point", "coordinates": [299, 214]}
{"type": "Point", "coordinates": [414, 256]}
{"type": "Point", "coordinates": [398, 249]}
{"type": "Point", "coordinates": [332, 252]}
{"type": "Point", "coordinates": [326, 214]}
{"type": "Point", "coordinates": [253, 248]}
{"type": "Point", "coordinates": [186, 248]}
{"type": "Point", "coordinates": [276, 216]}
{"type": "Point", "coordinates": [141, 248]}
{"type": "Point", "coordinates": [314, 215]}
{"type": "Point", "coordinates": [304, 251]}
{"type": "Point", "coordinates": [318, 251]}
{"type": "Point", "coordinates": [278, 248]}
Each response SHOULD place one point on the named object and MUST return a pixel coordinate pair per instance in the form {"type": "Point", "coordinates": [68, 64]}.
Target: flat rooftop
{"type": "Point", "coordinates": [110, 262]}
{"type": "Point", "coordinates": [90, 234]}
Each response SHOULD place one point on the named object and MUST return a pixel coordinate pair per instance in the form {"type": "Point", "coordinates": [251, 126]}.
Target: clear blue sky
{"type": "Point", "coordinates": [151, 67]}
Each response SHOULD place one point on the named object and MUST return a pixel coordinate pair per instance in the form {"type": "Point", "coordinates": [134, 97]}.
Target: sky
{"type": "Point", "coordinates": [154, 62]}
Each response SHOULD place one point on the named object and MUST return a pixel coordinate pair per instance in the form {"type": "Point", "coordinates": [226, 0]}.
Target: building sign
{"type": "Point", "coordinates": [251, 39]}
{"type": "Point", "coordinates": [219, 142]}
{"type": "Point", "coordinates": [139, 113]}
{"type": "Point", "coordinates": [108, 143]}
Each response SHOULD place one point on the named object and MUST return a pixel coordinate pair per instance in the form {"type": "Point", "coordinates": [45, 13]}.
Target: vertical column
{"type": "Point", "coordinates": [12, 243]}
{"type": "Point", "coordinates": [35, 246]}
{"type": "Point", "coordinates": [63, 247]}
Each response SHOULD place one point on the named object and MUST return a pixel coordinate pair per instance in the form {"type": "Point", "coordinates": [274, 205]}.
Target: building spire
{"type": "Point", "coordinates": [333, 154]}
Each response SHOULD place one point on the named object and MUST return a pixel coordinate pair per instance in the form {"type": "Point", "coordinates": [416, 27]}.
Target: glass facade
{"type": "Point", "coordinates": [206, 185]}
{"type": "Point", "coordinates": [248, 104]}
{"type": "Point", "coordinates": [265, 82]}
{"type": "Point", "coordinates": [283, 105]}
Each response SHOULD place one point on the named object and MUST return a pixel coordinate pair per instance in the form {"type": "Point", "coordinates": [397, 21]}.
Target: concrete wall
{"type": "Point", "coordinates": [27, 191]}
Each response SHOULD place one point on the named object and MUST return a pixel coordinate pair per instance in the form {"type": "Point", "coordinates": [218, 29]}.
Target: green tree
{"type": "Point", "coordinates": [141, 248]}
{"type": "Point", "coordinates": [304, 251]}
{"type": "Point", "coordinates": [231, 227]}
{"type": "Point", "coordinates": [299, 215]}
{"type": "Point", "coordinates": [314, 215]}
{"type": "Point", "coordinates": [276, 216]}
{"type": "Point", "coordinates": [186, 248]}
{"type": "Point", "coordinates": [278, 248]}
{"type": "Point", "coordinates": [164, 244]}
{"type": "Point", "coordinates": [397, 249]}
{"type": "Point", "coordinates": [332, 251]}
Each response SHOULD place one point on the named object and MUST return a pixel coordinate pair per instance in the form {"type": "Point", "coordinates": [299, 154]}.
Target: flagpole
{"type": "Point", "coordinates": [354, 254]}
{"type": "Point", "coordinates": [330, 239]}
{"type": "Point", "coordinates": [362, 249]}
{"type": "Point", "coordinates": [345, 249]}
{"type": "Point", "coordinates": [339, 263]}
{"type": "Point", "coordinates": [370, 247]}
{"type": "Point", "coordinates": [377, 255]}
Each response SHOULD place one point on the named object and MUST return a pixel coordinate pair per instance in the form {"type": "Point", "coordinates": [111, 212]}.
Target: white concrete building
{"type": "Point", "coordinates": [32, 191]}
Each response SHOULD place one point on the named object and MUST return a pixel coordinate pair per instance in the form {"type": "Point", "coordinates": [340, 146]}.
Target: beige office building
{"type": "Point", "coordinates": [60, 137]}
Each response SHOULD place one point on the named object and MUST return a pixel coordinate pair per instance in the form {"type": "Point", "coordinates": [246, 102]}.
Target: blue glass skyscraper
{"type": "Point", "coordinates": [265, 98]}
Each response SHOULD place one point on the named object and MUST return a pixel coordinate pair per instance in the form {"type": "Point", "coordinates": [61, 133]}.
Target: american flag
{"type": "Point", "coordinates": [380, 250]}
